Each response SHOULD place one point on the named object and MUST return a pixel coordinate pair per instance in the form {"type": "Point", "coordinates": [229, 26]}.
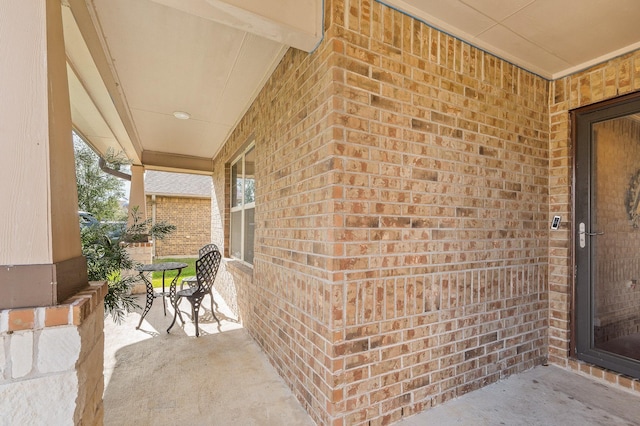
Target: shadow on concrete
{"type": "Point", "coordinates": [542, 396]}
{"type": "Point", "coordinates": [219, 378]}
{"type": "Point", "coordinates": [224, 378]}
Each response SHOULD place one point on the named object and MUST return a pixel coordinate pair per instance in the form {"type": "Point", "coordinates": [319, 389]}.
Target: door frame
{"type": "Point", "coordinates": [581, 342]}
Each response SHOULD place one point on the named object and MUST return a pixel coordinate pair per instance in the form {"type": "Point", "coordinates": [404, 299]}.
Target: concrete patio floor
{"type": "Point", "coordinates": [223, 378]}
{"type": "Point", "coordinates": [542, 396]}
{"type": "Point", "coordinates": [219, 378]}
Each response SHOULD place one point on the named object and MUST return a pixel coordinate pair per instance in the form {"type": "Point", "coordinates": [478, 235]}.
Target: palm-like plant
{"type": "Point", "coordinates": [107, 257]}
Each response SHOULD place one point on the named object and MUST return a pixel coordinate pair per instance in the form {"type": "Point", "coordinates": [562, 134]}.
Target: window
{"type": "Point", "coordinates": [243, 205]}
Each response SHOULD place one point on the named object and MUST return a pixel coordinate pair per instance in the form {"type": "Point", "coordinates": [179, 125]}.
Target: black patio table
{"type": "Point", "coordinates": [151, 294]}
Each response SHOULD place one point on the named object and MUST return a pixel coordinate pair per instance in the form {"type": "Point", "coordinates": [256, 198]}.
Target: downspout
{"type": "Point", "coordinates": [113, 172]}
{"type": "Point", "coordinates": [153, 218]}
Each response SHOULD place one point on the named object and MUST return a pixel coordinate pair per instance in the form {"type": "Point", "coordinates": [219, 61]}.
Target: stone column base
{"type": "Point", "coordinates": [52, 359]}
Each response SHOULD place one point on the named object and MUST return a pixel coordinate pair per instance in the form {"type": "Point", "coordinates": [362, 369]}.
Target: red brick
{"type": "Point", "coordinates": [21, 319]}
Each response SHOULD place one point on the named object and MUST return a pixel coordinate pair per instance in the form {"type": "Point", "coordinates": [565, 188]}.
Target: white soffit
{"type": "Point", "coordinates": [552, 38]}
{"type": "Point", "coordinates": [133, 63]}
{"type": "Point", "coordinates": [93, 114]}
{"type": "Point", "coordinates": [167, 60]}
{"type": "Point", "coordinates": [295, 23]}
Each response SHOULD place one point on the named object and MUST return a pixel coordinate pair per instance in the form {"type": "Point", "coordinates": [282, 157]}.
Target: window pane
{"type": "Point", "coordinates": [236, 184]}
{"type": "Point", "coordinates": [250, 177]}
{"type": "Point", "coordinates": [236, 234]}
{"type": "Point", "coordinates": [243, 197]}
{"type": "Point", "coordinates": [249, 229]}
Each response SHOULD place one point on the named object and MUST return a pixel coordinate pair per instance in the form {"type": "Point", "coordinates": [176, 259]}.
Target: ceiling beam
{"type": "Point", "coordinates": [295, 23]}
{"type": "Point", "coordinates": [154, 160]}
{"type": "Point", "coordinates": [95, 81]}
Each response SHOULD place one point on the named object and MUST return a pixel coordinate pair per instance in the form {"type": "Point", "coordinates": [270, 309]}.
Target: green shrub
{"type": "Point", "coordinates": [107, 257]}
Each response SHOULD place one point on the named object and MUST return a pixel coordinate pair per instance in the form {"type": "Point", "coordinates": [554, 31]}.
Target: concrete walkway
{"type": "Point", "coordinates": [544, 396]}
{"type": "Point", "coordinates": [219, 378]}
{"type": "Point", "coordinates": [223, 378]}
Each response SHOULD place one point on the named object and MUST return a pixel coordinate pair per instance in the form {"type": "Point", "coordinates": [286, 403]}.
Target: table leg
{"type": "Point", "coordinates": [164, 303]}
{"type": "Point", "coordinates": [150, 298]}
{"type": "Point", "coordinates": [173, 298]}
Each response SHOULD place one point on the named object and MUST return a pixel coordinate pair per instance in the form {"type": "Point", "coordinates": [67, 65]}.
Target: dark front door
{"type": "Point", "coordinates": [607, 234]}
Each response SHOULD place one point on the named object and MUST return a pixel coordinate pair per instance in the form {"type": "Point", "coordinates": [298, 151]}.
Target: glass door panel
{"type": "Point", "coordinates": [616, 245]}
{"type": "Point", "coordinates": [607, 234]}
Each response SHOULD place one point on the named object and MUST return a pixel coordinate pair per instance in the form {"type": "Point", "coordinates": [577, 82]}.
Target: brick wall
{"type": "Point", "coordinates": [284, 299]}
{"type": "Point", "coordinates": [402, 216]}
{"type": "Point", "coordinates": [444, 216]}
{"type": "Point", "coordinates": [616, 77]}
{"type": "Point", "coordinates": [192, 218]}
{"type": "Point", "coordinates": [141, 253]}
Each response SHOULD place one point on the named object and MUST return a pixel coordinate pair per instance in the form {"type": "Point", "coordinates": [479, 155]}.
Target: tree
{"type": "Point", "coordinates": [99, 193]}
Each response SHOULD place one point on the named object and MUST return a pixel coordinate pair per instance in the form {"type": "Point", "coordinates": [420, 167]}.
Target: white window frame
{"type": "Point", "coordinates": [242, 207]}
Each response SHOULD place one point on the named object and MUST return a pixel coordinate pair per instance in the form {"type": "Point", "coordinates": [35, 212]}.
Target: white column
{"type": "Point", "coordinates": [40, 250]}
{"type": "Point", "coordinates": [136, 195]}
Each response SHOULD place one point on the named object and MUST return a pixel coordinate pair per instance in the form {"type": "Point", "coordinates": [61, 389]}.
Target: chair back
{"type": "Point", "coordinates": [206, 271]}
{"type": "Point", "coordinates": [206, 249]}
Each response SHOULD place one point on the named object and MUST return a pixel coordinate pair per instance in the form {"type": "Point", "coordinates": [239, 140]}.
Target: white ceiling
{"type": "Point", "coordinates": [168, 60]}
{"type": "Point", "coordinates": [133, 63]}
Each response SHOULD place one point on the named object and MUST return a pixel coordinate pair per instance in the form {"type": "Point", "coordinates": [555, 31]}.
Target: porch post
{"type": "Point", "coordinates": [51, 318]}
{"type": "Point", "coordinates": [136, 194]}
{"type": "Point", "coordinates": [140, 252]}
{"type": "Point", "coordinates": [41, 262]}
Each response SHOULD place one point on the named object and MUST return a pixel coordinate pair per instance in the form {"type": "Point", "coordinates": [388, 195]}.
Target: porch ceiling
{"type": "Point", "coordinates": [133, 63]}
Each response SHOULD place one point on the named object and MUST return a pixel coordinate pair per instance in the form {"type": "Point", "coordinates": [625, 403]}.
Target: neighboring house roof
{"type": "Point", "coordinates": [177, 184]}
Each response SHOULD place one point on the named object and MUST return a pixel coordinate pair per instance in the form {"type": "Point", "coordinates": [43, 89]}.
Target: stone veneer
{"type": "Point", "coordinates": [51, 361]}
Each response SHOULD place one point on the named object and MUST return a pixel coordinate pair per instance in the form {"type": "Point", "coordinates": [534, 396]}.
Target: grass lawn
{"type": "Point", "coordinates": [189, 271]}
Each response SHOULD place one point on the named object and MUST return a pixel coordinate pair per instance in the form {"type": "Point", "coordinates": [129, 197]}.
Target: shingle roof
{"type": "Point", "coordinates": [177, 184]}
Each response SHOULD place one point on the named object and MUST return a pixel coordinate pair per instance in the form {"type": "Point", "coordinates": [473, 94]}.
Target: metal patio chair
{"type": "Point", "coordinates": [206, 270]}
{"type": "Point", "coordinates": [192, 282]}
